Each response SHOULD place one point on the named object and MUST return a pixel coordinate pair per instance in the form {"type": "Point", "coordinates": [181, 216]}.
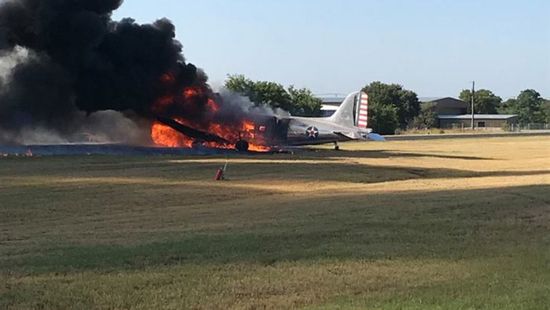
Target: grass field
{"type": "Point", "coordinates": [442, 224]}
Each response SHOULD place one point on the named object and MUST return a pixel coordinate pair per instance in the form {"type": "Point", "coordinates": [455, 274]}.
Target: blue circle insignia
{"type": "Point", "coordinates": [312, 132]}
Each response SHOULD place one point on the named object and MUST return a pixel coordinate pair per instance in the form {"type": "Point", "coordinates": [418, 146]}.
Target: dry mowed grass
{"type": "Point", "coordinates": [443, 224]}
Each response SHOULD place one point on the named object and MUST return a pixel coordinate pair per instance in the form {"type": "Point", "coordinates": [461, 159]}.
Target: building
{"type": "Point", "coordinates": [452, 114]}
{"type": "Point", "coordinates": [489, 121]}
{"type": "Point", "coordinates": [330, 104]}
{"type": "Point", "coordinates": [447, 105]}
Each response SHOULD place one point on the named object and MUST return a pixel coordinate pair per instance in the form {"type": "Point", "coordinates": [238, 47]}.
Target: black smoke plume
{"type": "Point", "coordinates": [79, 61]}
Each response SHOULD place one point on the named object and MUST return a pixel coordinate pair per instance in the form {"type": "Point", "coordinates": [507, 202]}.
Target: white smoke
{"type": "Point", "coordinates": [115, 127]}
{"type": "Point", "coordinates": [106, 127]}
{"type": "Point", "coordinates": [10, 59]}
{"type": "Point", "coordinates": [245, 105]}
{"type": "Point", "coordinates": [33, 136]}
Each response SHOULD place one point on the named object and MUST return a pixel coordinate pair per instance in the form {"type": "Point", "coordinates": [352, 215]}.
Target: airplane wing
{"type": "Point", "coordinates": [191, 132]}
{"type": "Point", "coordinates": [361, 136]}
{"type": "Point", "coordinates": [349, 135]}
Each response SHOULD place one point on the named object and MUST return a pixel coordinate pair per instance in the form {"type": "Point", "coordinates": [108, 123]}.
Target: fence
{"type": "Point", "coordinates": [529, 127]}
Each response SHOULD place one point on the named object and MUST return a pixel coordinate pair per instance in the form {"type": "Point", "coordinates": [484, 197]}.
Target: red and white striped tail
{"type": "Point", "coordinates": [363, 115]}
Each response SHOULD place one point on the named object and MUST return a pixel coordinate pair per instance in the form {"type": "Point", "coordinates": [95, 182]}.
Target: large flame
{"type": "Point", "coordinates": [163, 135]}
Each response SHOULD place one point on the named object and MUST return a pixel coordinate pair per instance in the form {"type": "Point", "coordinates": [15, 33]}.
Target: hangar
{"type": "Point", "coordinates": [447, 105]}
{"type": "Point", "coordinates": [489, 121]}
{"type": "Point", "coordinates": [452, 113]}
{"type": "Point", "coordinates": [331, 103]}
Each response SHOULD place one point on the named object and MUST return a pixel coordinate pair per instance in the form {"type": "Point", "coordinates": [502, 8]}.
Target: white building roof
{"type": "Point", "coordinates": [329, 107]}
{"type": "Point", "coordinates": [478, 116]}
{"type": "Point", "coordinates": [334, 100]}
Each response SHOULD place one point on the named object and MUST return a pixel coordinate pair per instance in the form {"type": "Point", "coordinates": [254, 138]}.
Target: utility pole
{"type": "Point", "coordinates": [473, 105]}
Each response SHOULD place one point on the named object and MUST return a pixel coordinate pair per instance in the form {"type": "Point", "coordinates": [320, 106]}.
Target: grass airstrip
{"type": "Point", "coordinates": [441, 224]}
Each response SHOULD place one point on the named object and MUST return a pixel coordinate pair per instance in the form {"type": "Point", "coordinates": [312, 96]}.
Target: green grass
{"type": "Point", "coordinates": [379, 226]}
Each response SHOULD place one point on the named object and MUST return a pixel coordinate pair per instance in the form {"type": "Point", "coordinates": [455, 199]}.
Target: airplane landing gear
{"type": "Point", "coordinates": [242, 146]}
{"type": "Point", "coordinates": [336, 146]}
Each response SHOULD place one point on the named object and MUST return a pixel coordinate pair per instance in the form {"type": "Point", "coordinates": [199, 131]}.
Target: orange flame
{"type": "Point", "coordinates": [168, 78]}
{"type": "Point", "coordinates": [214, 107]}
{"type": "Point", "coordinates": [259, 148]}
{"type": "Point", "coordinates": [163, 135]}
{"type": "Point", "coordinates": [191, 92]}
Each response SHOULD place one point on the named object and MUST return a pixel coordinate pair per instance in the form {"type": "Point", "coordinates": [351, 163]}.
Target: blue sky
{"type": "Point", "coordinates": [434, 47]}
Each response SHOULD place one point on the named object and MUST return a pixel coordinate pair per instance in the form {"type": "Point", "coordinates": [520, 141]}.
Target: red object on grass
{"type": "Point", "coordinates": [219, 175]}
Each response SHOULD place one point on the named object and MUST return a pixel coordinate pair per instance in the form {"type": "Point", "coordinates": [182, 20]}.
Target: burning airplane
{"type": "Point", "coordinates": [68, 70]}
{"type": "Point", "coordinates": [262, 132]}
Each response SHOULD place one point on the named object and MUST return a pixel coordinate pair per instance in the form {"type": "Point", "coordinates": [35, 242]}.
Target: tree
{"type": "Point", "coordinates": [300, 102]}
{"type": "Point", "coordinates": [427, 118]}
{"type": "Point", "coordinates": [528, 106]}
{"type": "Point", "coordinates": [271, 94]}
{"type": "Point", "coordinates": [385, 119]}
{"type": "Point", "coordinates": [546, 110]}
{"type": "Point", "coordinates": [305, 103]}
{"type": "Point", "coordinates": [240, 84]}
{"type": "Point", "coordinates": [404, 102]}
{"type": "Point", "coordinates": [485, 101]}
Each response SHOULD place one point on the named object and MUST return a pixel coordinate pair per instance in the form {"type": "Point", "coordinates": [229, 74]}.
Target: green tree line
{"type": "Point", "coordinates": [528, 105]}
{"type": "Point", "coordinates": [299, 102]}
{"type": "Point", "coordinates": [391, 106]}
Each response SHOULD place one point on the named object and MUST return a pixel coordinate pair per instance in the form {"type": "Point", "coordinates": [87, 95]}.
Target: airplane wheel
{"type": "Point", "coordinates": [242, 146]}
{"type": "Point", "coordinates": [197, 144]}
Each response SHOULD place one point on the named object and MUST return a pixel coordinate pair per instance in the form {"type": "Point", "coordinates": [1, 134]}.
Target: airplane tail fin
{"type": "Point", "coordinates": [354, 111]}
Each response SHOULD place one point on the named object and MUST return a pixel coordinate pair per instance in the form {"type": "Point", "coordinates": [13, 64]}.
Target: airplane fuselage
{"type": "Point", "coordinates": [306, 130]}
